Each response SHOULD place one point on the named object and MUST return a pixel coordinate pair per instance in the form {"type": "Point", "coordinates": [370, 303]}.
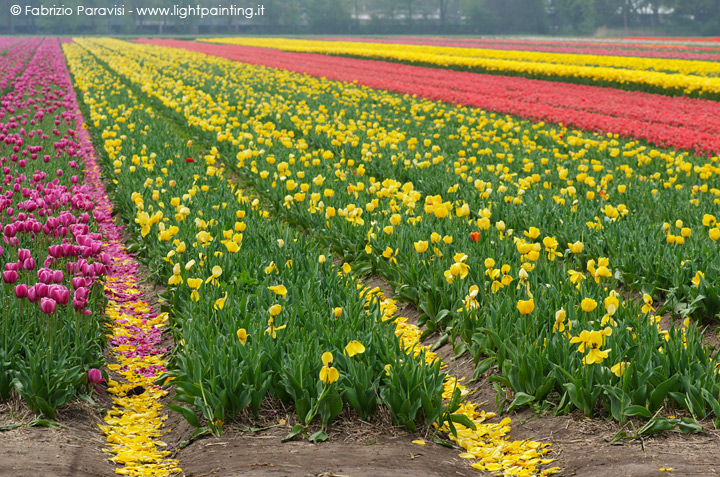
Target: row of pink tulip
{"type": "Point", "coordinates": [13, 62]}
{"type": "Point", "coordinates": [52, 254]}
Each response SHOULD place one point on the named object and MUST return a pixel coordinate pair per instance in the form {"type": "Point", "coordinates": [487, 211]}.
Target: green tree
{"type": "Point", "coordinates": [328, 16]}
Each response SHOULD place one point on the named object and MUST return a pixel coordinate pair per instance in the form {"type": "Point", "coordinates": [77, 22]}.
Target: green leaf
{"type": "Point", "coordinates": [37, 422]}
{"type": "Point", "coordinates": [483, 366]}
{"type": "Point", "coordinates": [658, 395]}
{"type": "Point", "coordinates": [502, 380]}
{"type": "Point", "coordinates": [442, 341]}
{"type": "Point", "coordinates": [656, 425]}
{"type": "Point", "coordinates": [319, 436]}
{"type": "Point", "coordinates": [297, 429]}
{"type": "Point", "coordinates": [463, 419]}
{"type": "Point", "coordinates": [200, 432]}
{"type": "Point", "coordinates": [520, 400]}
{"type": "Point", "coordinates": [638, 411]}
{"type": "Point", "coordinates": [444, 443]}
{"type": "Point", "coordinates": [9, 427]}
{"type": "Point", "coordinates": [87, 399]}
{"type": "Point", "coordinates": [187, 413]}
{"type": "Point", "coordinates": [689, 426]}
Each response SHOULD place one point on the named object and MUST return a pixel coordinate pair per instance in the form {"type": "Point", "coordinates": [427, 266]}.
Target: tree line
{"type": "Point", "coordinates": [480, 17]}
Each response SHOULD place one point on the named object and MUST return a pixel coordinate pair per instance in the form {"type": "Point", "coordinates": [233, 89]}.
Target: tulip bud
{"type": "Point", "coordinates": [95, 376]}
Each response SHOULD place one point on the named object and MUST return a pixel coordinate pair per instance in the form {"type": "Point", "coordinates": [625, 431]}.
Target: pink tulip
{"type": "Point", "coordinates": [41, 289]}
{"type": "Point", "coordinates": [59, 293]}
{"type": "Point", "coordinates": [78, 282]}
{"type": "Point", "coordinates": [48, 305]}
{"type": "Point", "coordinates": [82, 293]}
{"type": "Point", "coordinates": [95, 376]}
{"type": "Point", "coordinates": [10, 277]}
{"type": "Point", "coordinates": [21, 291]}
{"type": "Point", "coordinates": [45, 275]}
{"type": "Point", "coordinates": [33, 295]}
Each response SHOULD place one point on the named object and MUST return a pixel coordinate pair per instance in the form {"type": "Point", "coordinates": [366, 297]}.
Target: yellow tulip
{"type": "Point", "coordinates": [280, 290]}
{"type": "Point", "coordinates": [588, 305]}
{"type": "Point", "coordinates": [216, 272]}
{"type": "Point", "coordinates": [242, 335]}
{"type": "Point", "coordinates": [329, 375]}
{"type": "Point", "coordinates": [532, 233]}
{"type": "Point", "coordinates": [619, 368]}
{"type": "Point", "coordinates": [421, 246]}
{"type": "Point", "coordinates": [220, 302]}
{"type": "Point", "coordinates": [576, 247]}
{"type": "Point", "coordinates": [354, 347]}
{"type": "Point", "coordinates": [231, 246]}
{"type": "Point", "coordinates": [526, 307]}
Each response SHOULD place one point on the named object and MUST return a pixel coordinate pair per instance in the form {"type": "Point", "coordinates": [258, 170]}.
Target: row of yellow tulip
{"type": "Point", "coordinates": [126, 127]}
{"type": "Point", "coordinates": [367, 171]}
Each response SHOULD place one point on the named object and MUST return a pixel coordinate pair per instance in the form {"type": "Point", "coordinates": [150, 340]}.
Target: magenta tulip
{"type": "Point", "coordinates": [48, 305]}
{"type": "Point", "coordinates": [10, 277]}
{"type": "Point", "coordinates": [45, 275]}
{"type": "Point", "coordinates": [59, 293]}
{"type": "Point", "coordinates": [33, 295]}
{"type": "Point", "coordinates": [95, 376]}
{"type": "Point", "coordinates": [21, 291]}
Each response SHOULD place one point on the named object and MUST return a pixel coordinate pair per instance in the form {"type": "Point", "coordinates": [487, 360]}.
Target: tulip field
{"type": "Point", "coordinates": [549, 208]}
